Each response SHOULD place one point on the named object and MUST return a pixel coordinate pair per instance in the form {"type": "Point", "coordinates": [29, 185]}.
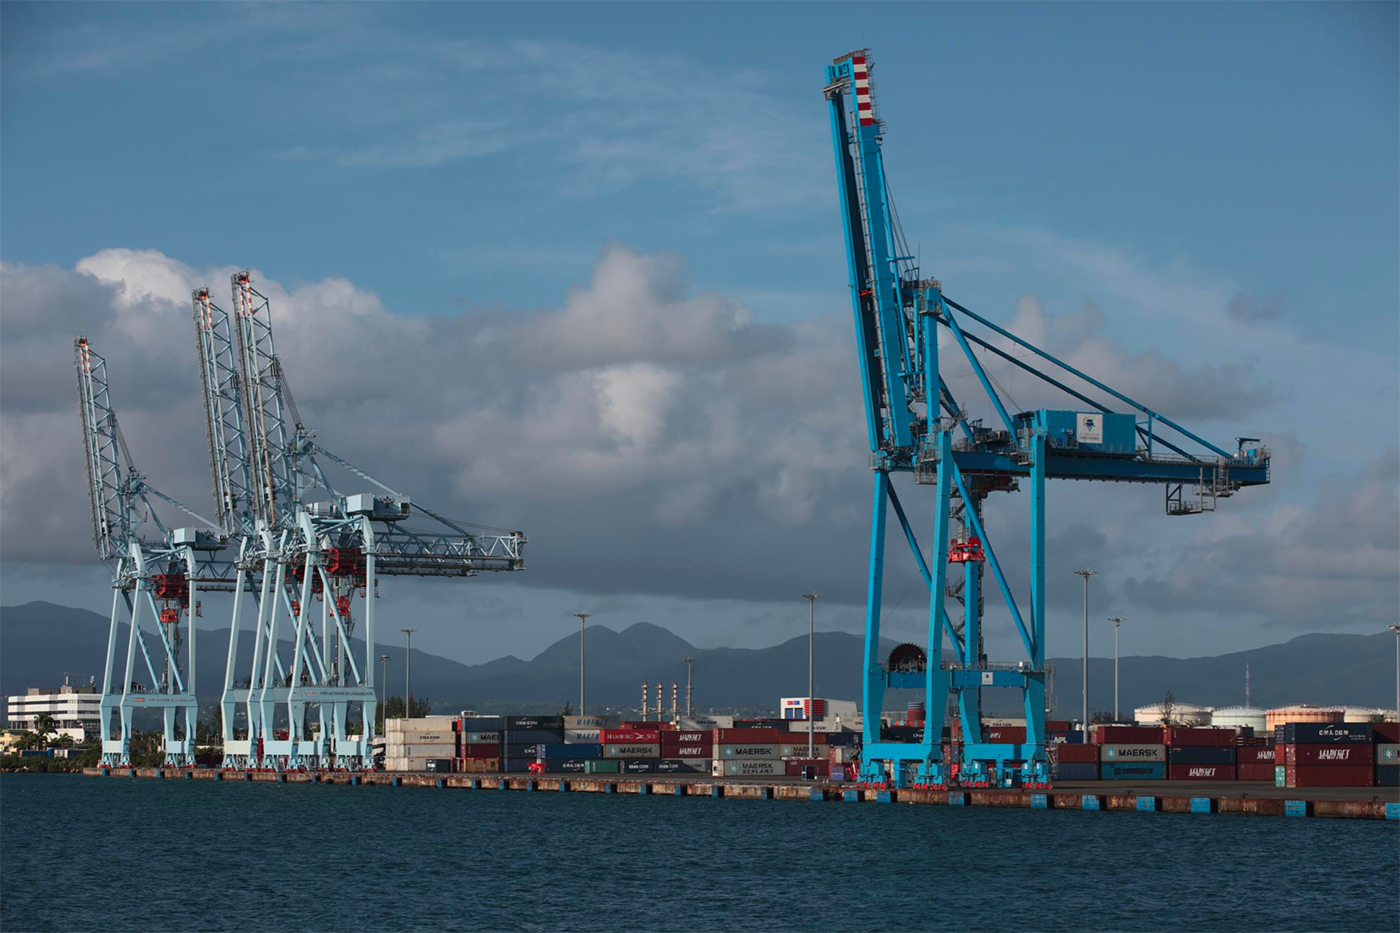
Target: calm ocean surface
{"type": "Point", "coordinates": [81, 853]}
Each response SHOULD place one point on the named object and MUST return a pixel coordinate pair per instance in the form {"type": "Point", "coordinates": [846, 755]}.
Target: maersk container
{"type": "Point", "coordinates": [602, 766]}
{"type": "Point", "coordinates": [1098, 431]}
{"type": "Point", "coordinates": [1388, 754]}
{"type": "Point", "coordinates": [561, 750]}
{"type": "Point", "coordinates": [751, 752]}
{"type": "Point", "coordinates": [477, 738]}
{"type": "Point", "coordinates": [1388, 775]}
{"type": "Point", "coordinates": [1201, 755]}
{"type": "Point", "coordinates": [1133, 770]}
{"type": "Point", "coordinates": [638, 750]}
{"type": "Point", "coordinates": [1132, 753]}
{"type": "Point", "coordinates": [749, 768]}
{"type": "Point", "coordinates": [583, 736]}
{"type": "Point", "coordinates": [1318, 733]}
{"type": "Point", "coordinates": [800, 750]}
{"type": "Point", "coordinates": [1077, 771]}
{"type": "Point", "coordinates": [683, 766]}
{"type": "Point", "coordinates": [548, 723]}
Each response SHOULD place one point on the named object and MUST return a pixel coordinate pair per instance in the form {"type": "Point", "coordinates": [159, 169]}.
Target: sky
{"type": "Point", "coordinates": [578, 270]}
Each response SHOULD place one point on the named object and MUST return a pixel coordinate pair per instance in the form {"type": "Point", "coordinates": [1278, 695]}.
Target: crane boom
{"type": "Point", "coordinates": [106, 485]}
{"type": "Point", "coordinates": [223, 415]}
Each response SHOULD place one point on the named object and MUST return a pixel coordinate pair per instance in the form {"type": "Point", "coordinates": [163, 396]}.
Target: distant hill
{"type": "Point", "coordinates": [41, 642]}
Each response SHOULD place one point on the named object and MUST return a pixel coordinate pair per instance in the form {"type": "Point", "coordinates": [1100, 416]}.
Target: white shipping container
{"type": "Point", "coordinates": [820, 725]}
{"type": "Point", "coordinates": [751, 752]}
{"type": "Point", "coordinates": [632, 751]}
{"type": "Point", "coordinates": [442, 723]}
{"type": "Point", "coordinates": [703, 723]}
{"type": "Point", "coordinates": [753, 768]}
{"type": "Point", "coordinates": [841, 754]}
{"type": "Point", "coordinates": [414, 763]}
{"type": "Point", "coordinates": [433, 750]}
{"type": "Point", "coordinates": [419, 736]}
{"type": "Point", "coordinates": [585, 722]}
{"type": "Point", "coordinates": [799, 750]}
{"type": "Point", "coordinates": [582, 736]}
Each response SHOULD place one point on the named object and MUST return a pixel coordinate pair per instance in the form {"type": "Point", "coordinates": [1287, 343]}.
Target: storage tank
{"type": "Point", "coordinates": [1302, 713]}
{"type": "Point", "coordinates": [1182, 714]}
{"type": "Point", "coordinates": [1366, 714]}
{"type": "Point", "coordinates": [1240, 717]}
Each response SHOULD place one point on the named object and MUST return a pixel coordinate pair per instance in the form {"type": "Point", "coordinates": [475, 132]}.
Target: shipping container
{"type": "Point", "coordinates": [1077, 754]}
{"type": "Point", "coordinates": [626, 736]}
{"type": "Point", "coordinates": [687, 751]}
{"type": "Point", "coordinates": [1077, 771]}
{"type": "Point", "coordinates": [1126, 735]}
{"type": "Point", "coordinates": [549, 723]}
{"type": "Point", "coordinates": [1258, 754]}
{"type": "Point", "coordinates": [687, 737]}
{"type": "Point", "coordinates": [800, 750]}
{"type": "Point", "coordinates": [797, 767]}
{"type": "Point", "coordinates": [638, 765]}
{"type": "Point", "coordinates": [1329, 775]}
{"type": "Point", "coordinates": [1200, 772]}
{"type": "Point", "coordinates": [707, 722]}
{"type": "Point", "coordinates": [1388, 775]}
{"type": "Point", "coordinates": [1388, 754]}
{"type": "Point", "coordinates": [439, 765]}
{"type": "Point", "coordinates": [477, 738]}
{"type": "Point", "coordinates": [583, 736]}
{"type": "Point", "coordinates": [751, 752]}
{"type": "Point", "coordinates": [440, 723]}
{"type": "Point", "coordinates": [749, 768]}
{"type": "Point", "coordinates": [480, 765]}
{"type": "Point", "coordinates": [1132, 753]}
{"type": "Point", "coordinates": [683, 766]}
{"type": "Point", "coordinates": [1339, 755]}
{"type": "Point", "coordinates": [560, 750]}
{"type": "Point", "coordinates": [481, 750]}
{"type": "Point", "coordinates": [1133, 770]}
{"type": "Point", "coordinates": [618, 750]}
{"type": "Point", "coordinates": [843, 738]}
{"type": "Point", "coordinates": [602, 766]}
{"type": "Point", "coordinates": [585, 722]}
{"type": "Point", "coordinates": [435, 750]}
{"type": "Point", "coordinates": [485, 723]}
{"type": "Point", "coordinates": [748, 736]}
{"type": "Point", "coordinates": [769, 722]}
{"type": "Point", "coordinates": [516, 765]}
{"type": "Point", "coordinates": [1385, 732]}
{"type": "Point", "coordinates": [1201, 754]}
{"type": "Point", "coordinates": [1255, 771]}
{"type": "Point", "coordinates": [418, 735]}
{"type": "Point", "coordinates": [1187, 737]}
{"type": "Point", "coordinates": [1004, 735]}
{"type": "Point", "coordinates": [566, 765]}
{"type": "Point", "coordinates": [521, 750]}
{"type": "Point", "coordinates": [1319, 733]}
{"type": "Point", "coordinates": [532, 736]}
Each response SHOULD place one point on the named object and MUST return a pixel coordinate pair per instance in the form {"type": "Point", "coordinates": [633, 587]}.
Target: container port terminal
{"type": "Point", "coordinates": [300, 538]}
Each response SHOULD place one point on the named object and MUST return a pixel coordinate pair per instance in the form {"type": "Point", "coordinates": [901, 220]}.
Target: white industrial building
{"type": "Point", "coordinates": [76, 710]}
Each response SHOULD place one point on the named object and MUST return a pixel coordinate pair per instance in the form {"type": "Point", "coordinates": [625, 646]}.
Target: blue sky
{"type": "Point", "coordinates": [1209, 189]}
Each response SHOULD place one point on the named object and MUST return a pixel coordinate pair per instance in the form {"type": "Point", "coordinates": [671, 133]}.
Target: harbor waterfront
{"type": "Point", "coordinates": [537, 861]}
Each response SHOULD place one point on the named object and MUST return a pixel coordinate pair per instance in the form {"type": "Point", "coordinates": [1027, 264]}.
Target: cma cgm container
{"type": "Point", "coordinates": [1176, 772]}
{"type": "Point", "coordinates": [683, 766]}
{"type": "Point", "coordinates": [1339, 754]}
{"type": "Point", "coordinates": [1133, 770]}
{"type": "Point", "coordinates": [1201, 755]}
{"type": "Point", "coordinates": [638, 765]}
{"type": "Point", "coordinates": [1319, 733]}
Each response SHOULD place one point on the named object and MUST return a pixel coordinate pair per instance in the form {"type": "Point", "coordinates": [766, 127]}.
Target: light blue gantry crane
{"type": "Point", "coordinates": [301, 541]}
{"type": "Point", "coordinates": [158, 573]}
{"type": "Point", "coordinates": [915, 426]}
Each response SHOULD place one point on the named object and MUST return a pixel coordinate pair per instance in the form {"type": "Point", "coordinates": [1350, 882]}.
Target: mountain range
{"type": "Point", "coordinates": [41, 642]}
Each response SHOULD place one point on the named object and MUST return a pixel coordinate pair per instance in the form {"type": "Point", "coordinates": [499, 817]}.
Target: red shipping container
{"type": "Point", "coordinates": [687, 751]}
{"type": "Point", "coordinates": [1256, 771]}
{"type": "Point", "coordinates": [1329, 755]}
{"type": "Point", "coordinates": [692, 737]}
{"type": "Point", "coordinates": [1329, 776]}
{"type": "Point", "coordinates": [1253, 754]}
{"type": "Point", "coordinates": [1200, 772]}
{"type": "Point", "coordinates": [480, 750]}
{"type": "Point", "coordinates": [1385, 733]}
{"type": "Point", "coordinates": [1004, 734]}
{"type": "Point", "coordinates": [795, 765]}
{"type": "Point", "coordinates": [638, 736]}
{"type": "Point", "coordinates": [1126, 735]}
{"type": "Point", "coordinates": [1057, 725]}
{"type": "Point", "coordinates": [1077, 754]}
{"type": "Point", "coordinates": [755, 736]}
{"type": "Point", "coordinates": [1176, 735]}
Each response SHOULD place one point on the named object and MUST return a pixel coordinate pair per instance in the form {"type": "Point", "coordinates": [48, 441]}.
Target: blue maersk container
{"type": "Point", "coordinates": [1087, 430]}
{"type": "Point", "coordinates": [1131, 770]}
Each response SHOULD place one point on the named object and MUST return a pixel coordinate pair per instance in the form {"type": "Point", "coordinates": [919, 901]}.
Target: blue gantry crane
{"type": "Point", "coordinates": [916, 426]}
{"type": "Point", "coordinates": [154, 567]}
{"type": "Point", "coordinates": [302, 541]}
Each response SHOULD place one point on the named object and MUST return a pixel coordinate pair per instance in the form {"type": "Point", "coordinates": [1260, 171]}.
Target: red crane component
{"type": "Point", "coordinates": [347, 562]}
{"type": "Point", "coordinates": [966, 550]}
{"type": "Point", "coordinates": [342, 606]}
{"type": "Point", "coordinates": [170, 616]}
{"type": "Point", "coordinates": [170, 586]}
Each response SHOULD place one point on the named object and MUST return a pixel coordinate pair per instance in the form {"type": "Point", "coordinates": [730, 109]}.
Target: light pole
{"type": "Point", "coordinates": [383, 686]}
{"type": "Point", "coordinates": [407, 650]}
{"type": "Point", "coordinates": [688, 663]}
{"type": "Point", "coordinates": [1116, 622]}
{"type": "Point", "coordinates": [1396, 630]}
{"type": "Point", "coordinates": [1086, 574]}
{"type": "Point", "coordinates": [811, 657]}
{"type": "Point", "coordinates": [582, 618]}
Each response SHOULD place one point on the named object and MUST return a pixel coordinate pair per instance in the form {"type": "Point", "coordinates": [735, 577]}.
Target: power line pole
{"type": "Point", "coordinates": [811, 657]}
{"type": "Point", "coordinates": [582, 618]}
{"type": "Point", "coordinates": [1116, 622]}
{"type": "Point", "coordinates": [383, 687]}
{"type": "Point", "coordinates": [1086, 574]}
{"type": "Point", "coordinates": [688, 711]}
{"type": "Point", "coordinates": [407, 650]}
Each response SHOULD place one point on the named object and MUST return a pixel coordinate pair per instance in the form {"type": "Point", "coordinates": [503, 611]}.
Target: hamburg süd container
{"type": "Point", "coordinates": [627, 736]}
{"type": "Point", "coordinates": [1132, 753]}
{"type": "Point", "coordinates": [1196, 772]}
{"type": "Point", "coordinates": [1201, 754]}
